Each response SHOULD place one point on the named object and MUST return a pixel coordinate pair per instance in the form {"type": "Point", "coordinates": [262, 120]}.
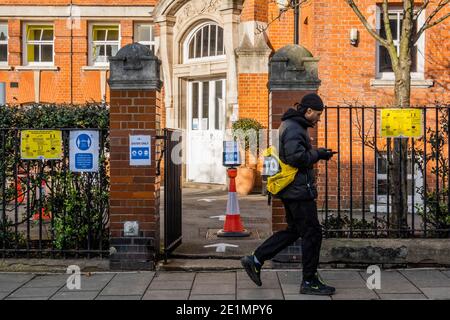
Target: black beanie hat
{"type": "Point", "coordinates": [313, 101]}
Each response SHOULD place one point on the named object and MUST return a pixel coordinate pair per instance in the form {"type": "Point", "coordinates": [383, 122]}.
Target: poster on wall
{"type": "Point", "coordinates": [84, 150]}
{"type": "Point", "coordinates": [401, 123]}
{"type": "Point", "coordinates": [41, 144]}
{"type": "Point", "coordinates": [140, 150]}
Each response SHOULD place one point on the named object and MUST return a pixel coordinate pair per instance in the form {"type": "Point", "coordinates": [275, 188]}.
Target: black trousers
{"type": "Point", "coordinates": [302, 221]}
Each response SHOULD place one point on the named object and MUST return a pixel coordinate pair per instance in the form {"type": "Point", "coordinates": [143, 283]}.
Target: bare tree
{"type": "Point", "coordinates": [401, 65]}
{"type": "Point", "coordinates": [285, 5]}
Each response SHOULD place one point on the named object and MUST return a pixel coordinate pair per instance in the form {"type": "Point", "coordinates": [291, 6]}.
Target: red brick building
{"type": "Point", "coordinates": [214, 59]}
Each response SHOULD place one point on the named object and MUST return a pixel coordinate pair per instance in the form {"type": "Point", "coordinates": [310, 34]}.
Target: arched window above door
{"type": "Point", "coordinates": [205, 42]}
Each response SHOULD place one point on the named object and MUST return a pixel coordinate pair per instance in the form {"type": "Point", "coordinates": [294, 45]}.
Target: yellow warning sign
{"type": "Point", "coordinates": [41, 144]}
{"type": "Point", "coordinates": [405, 123]}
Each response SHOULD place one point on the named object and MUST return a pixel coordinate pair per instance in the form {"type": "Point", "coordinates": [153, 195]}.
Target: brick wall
{"type": "Point", "coordinates": [55, 86]}
{"type": "Point", "coordinates": [135, 191]}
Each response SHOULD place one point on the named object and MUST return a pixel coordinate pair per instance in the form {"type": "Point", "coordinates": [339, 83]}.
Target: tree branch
{"type": "Point", "coordinates": [291, 5]}
{"type": "Point", "coordinates": [423, 7]}
{"type": "Point", "coordinates": [366, 24]}
{"type": "Point", "coordinates": [427, 23]}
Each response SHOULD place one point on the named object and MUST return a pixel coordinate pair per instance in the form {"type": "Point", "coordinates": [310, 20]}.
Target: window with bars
{"type": "Point", "coordinates": [144, 34]}
{"type": "Point", "coordinates": [3, 43]}
{"type": "Point", "coordinates": [205, 42]}
{"type": "Point", "coordinates": [39, 45]}
{"type": "Point", "coordinates": [104, 43]}
{"type": "Point", "coordinates": [414, 178]}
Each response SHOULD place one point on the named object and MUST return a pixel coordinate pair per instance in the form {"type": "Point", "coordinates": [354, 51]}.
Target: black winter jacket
{"type": "Point", "coordinates": [296, 150]}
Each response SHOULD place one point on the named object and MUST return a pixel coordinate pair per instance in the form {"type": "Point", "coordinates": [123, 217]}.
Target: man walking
{"type": "Point", "coordinates": [299, 198]}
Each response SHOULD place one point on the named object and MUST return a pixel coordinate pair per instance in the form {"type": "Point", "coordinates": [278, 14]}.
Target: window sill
{"type": "Point", "coordinates": [379, 83]}
{"type": "Point", "coordinates": [4, 67]}
{"type": "Point", "coordinates": [95, 68]}
{"type": "Point", "coordinates": [44, 68]}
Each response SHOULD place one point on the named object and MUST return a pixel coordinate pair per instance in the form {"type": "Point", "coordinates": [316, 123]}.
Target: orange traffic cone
{"type": "Point", "coordinates": [233, 226]}
{"type": "Point", "coordinates": [20, 192]}
{"type": "Point", "coordinates": [46, 216]}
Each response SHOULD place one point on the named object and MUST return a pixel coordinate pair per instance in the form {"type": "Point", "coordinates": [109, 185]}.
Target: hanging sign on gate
{"type": "Point", "coordinates": [41, 144]}
{"type": "Point", "coordinates": [398, 123]}
{"type": "Point", "coordinates": [140, 150]}
{"type": "Point", "coordinates": [84, 148]}
{"type": "Point", "coordinates": [231, 157]}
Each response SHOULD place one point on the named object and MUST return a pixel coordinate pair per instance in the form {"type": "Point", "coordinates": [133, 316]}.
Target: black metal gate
{"type": "Point", "coordinates": [172, 190]}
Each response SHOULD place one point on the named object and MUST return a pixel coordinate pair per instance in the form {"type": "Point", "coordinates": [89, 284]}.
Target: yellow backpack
{"type": "Point", "coordinates": [284, 176]}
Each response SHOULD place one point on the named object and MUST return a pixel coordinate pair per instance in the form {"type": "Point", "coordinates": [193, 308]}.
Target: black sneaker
{"type": "Point", "coordinates": [253, 269]}
{"type": "Point", "coordinates": [316, 287]}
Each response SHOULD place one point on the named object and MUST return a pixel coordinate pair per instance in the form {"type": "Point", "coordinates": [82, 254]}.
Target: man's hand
{"type": "Point", "coordinates": [325, 154]}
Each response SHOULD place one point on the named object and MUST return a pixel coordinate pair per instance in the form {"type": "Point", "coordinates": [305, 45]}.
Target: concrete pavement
{"type": "Point", "coordinates": [224, 285]}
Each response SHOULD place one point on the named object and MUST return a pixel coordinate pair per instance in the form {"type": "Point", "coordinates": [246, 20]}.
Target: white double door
{"type": "Point", "coordinates": [205, 128]}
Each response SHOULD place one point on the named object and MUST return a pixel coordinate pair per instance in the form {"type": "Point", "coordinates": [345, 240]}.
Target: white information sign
{"type": "Point", "coordinates": [140, 150]}
{"type": "Point", "coordinates": [84, 149]}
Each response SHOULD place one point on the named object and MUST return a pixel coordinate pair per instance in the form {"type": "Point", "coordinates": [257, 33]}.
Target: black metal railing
{"type": "Point", "coordinates": [47, 210]}
{"type": "Point", "coordinates": [172, 190]}
{"type": "Point", "coordinates": [356, 193]}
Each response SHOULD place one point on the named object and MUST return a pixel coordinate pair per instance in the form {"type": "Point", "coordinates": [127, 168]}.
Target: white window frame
{"type": "Point", "coordinates": [91, 42]}
{"type": "Point", "coordinates": [190, 37]}
{"type": "Point", "coordinates": [420, 74]}
{"type": "Point", "coordinates": [150, 42]}
{"type": "Point", "coordinates": [418, 182]}
{"type": "Point", "coordinates": [25, 44]}
{"type": "Point", "coordinates": [211, 105]}
{"type": "Point", "coordinates": [5, 63]}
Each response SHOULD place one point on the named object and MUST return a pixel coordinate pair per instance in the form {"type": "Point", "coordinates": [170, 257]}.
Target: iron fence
{"type": "Point", "coordinates": [48, 210]}
{"type": "Point", "coordinates": [356, 193]}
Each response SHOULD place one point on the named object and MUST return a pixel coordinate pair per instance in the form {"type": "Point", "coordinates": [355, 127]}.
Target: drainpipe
{"type": "Point", "coordinates": [296, 18]}
{"type": "Point", "coordinates": [71, 54]}
{"type": "Point", "coordinates": [2, 93]}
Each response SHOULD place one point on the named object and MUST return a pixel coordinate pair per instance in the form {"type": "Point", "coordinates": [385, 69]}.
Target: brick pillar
{"type": "Point", "coordinates": [135, 190]}
{"type": "Point", "coordinates": [292, 75]}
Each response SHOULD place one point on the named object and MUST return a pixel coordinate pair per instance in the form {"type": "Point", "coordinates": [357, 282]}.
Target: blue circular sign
{"type": "Point", "coordinates": [83, 142]}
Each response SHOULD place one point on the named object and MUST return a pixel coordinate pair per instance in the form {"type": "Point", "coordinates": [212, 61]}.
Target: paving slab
{"type": "Point", "coordinates": [259, 294]}
{"type": "Point", "coordinates": [290, 288]}
{"type": "Point", "coordinates": [340, 274]}
{"type": "Point", "coordinates": [15, 277]}
{"type": "Point", "coordinates": [269, 281]}
{"type": "Point", "coordinates": [426, 278]}
{"type": "Point", "coordinates": [402, 296]}
{"type": "Point", "coordinates": [354, 294]}
{"type": "Point", "coordinates": [94, 282]}
{"type": "Point", "coordinates": [394, 282]}
{"type": "Point", "coordinates": [135, 297]}
{"type": "Point", "coordinates": [441, 293]}
{"type": "Point", "coordinates": [166, 295]}
{"type": "Point", "coordinates": [199, 288]}
{"type": "Point", "coordinates": [4, 294]}
{"type": "Point", "coordinates": [213, 297]}
{"type": "Point", "coordinates": [170, 285]}
{"type": "Point", "coordinates": [294, 277]}
{"type": "Point", "coordinates": [34, 292]}
{"type": "Point", "coordinates": [216, 277]}
{"type": "Point", "coordinates": [28, 298]}
{"type": "Point", "coordinates": [346, 284]}
{"type": "Point", "coordinates": [10, 281]}
{"type": "Point", "coordinates": [47, 281]}
{"type": "Point", "coordinates": [305, 297]}
{"type": "Point", "coordinates": [75, 295]}
{"type": "Point", "coordinates": [446, 272]}
{"type": "Point", "coordinates": [174, 276]}
{"type": "Point", "coordinates": [128, 284]}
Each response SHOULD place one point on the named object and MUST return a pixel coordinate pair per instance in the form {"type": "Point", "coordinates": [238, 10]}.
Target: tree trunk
{"type": "Point", "coordinates": [399, 181]}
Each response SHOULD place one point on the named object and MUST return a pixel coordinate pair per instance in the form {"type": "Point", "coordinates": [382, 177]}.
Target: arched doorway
{"type": "Point", "coordinates": [205, 104]}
